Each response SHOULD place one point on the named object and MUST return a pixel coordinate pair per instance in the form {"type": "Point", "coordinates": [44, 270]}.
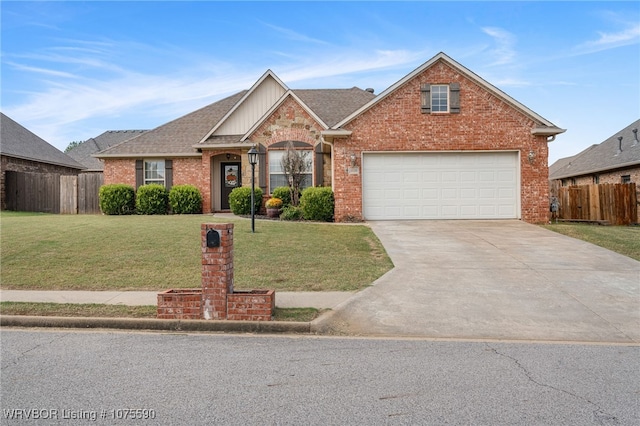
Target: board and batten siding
{"type": "Point", "coordinates": [254, 108]}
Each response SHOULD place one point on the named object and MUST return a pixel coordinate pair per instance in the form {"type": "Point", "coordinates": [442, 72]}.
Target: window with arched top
{"type": "Point", "coordinates": [278, 153]}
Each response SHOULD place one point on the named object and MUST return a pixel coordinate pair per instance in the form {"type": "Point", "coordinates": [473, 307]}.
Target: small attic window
{"type": "Point", "coordinates": [440, 98]}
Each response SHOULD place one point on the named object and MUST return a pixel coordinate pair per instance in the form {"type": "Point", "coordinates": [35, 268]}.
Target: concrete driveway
{"type": "Point", "coordinates": [494, 280]}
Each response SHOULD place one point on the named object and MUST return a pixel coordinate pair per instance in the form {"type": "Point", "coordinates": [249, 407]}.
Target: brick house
{"type": "Point", "coordinates": [615, 160]}
{"type": "Point", "coordinates": [441, 143]}
{"type": "Point", "coordinates": [23, 152]}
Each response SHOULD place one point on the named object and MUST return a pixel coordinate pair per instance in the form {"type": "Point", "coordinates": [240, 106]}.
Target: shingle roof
{"type": "Point", "coordinates": [177, 137]}
{"type": "Point", "coordinates": [83, 153]}
{"type": "Point", "coordinates": [16, 141]}
{"type": "Point", "coordinates": [332, 105]}
{"type": "Point", "coordinates": [602, 157]}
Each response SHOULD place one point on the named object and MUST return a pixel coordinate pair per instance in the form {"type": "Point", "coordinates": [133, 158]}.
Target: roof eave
{"type": "Point", "coordinates": [336, 133]}
{"type": "Point", "coordinates": [54, 163]}
{"type": "Point", "coordinates": [599, 170]}
{"type": "Point", "coordinates": [150, 155]}
{"type": "Point", "coordinates": [242, 144]}
{"type": "Point", "coordinates": [547, 131]}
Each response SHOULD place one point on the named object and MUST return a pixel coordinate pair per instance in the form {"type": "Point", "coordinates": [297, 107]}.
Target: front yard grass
{"type": "Point", "coordinates": [621, 239]}
{"type": "Point", "coordinates": [121, 311]}
{"type": "Point", "coordinates": [152, 253]}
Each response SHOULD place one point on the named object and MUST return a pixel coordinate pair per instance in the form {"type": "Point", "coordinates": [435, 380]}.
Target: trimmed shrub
{"type": "Point", "coordinates": [152, 199]}
{"type": "Point", "coordinates": [185, 199]}
{"type": "Point", "coordinates": [283, 193]}
{"type": "Point", "coordinates": [117, 199]}
{"type": "Point", "coordinates": [291, 213]}
{"type": "Point", "coordinates": [240, 200]}
{"type": "Point", "coordinates": [317, 204]}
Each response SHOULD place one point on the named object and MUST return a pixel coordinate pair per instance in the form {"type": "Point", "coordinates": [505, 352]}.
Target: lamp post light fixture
{"type": "Point", "coordinates": [253, 160]}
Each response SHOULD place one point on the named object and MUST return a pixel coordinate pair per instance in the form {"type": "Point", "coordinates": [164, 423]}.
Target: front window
{"type": "Point", "coordinates": [440, 98]}
{"type": "Point", "coordinates": [625, 178]}
{"type": "Point", "coordinates": [154, 172]}
{"type": "Point", "coordinates": [277, 176]}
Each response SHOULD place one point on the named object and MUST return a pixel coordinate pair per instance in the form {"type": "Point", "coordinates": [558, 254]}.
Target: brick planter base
{"type": "Point", "coordinates": [180, 304]}
{"type": "Point", "coordinates": [253, 305]}
{"type": "Point", "coordinates": [216, 299]}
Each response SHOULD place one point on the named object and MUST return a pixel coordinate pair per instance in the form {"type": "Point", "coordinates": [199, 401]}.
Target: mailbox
{"type": "Point", "coordinates": [213, 238]}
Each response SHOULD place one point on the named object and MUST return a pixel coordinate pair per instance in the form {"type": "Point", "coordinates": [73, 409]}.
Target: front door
{"type": "Point", "coordinates": [230, 179]}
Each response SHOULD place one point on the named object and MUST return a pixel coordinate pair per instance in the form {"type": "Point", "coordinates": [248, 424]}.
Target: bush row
{"type": "Point", "coordinates": [119, 199]}
{"type": "Point", "coordinates": [315, 203]}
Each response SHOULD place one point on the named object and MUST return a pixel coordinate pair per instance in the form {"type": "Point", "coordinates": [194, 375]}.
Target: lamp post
{"type": "Point", "coordinates": [253, 160]}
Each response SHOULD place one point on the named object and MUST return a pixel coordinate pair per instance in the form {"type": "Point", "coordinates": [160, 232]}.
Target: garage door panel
{"type": "Point", "coordinates": [440, 185]}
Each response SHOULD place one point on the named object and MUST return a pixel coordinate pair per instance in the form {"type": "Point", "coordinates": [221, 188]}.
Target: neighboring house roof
{"type": "Point", "coordinates": [544, 127]}
{"type": "Point", "coordinates": [602, 157]}
{"type": "Point", "coordinates": [83, 153]}
{"type": "Point", "coordinates": [18, 142]}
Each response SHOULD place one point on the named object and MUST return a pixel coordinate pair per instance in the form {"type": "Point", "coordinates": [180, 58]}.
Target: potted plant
{"type": "Point", "coordinates": [273, 206]}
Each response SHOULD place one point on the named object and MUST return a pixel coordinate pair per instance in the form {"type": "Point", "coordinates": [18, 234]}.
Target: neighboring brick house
{"type": "Point", "coordinates": [441, 143]}
{"type": "Point", "coordinates": [24, 152]}
{"type": "Point", "coordinates": [615, 160]}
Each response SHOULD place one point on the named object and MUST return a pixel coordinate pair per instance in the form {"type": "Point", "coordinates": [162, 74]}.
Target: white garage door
{"type": "Point", "coordinates": [440, 185]}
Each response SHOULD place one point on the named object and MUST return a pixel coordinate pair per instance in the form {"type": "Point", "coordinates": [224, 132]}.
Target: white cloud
{"type": "Point", "coordinates": [605, 41]}
{"type": "Point", "coordinates": [293, 35]}
{"type": "Point", "coordinates": [503, 53]}
{"type": "Point", "coordinates": [38, 70]}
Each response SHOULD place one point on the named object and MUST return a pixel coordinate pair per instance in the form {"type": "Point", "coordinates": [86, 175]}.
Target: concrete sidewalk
{"type": "Point", "coordinates": [284, 299]}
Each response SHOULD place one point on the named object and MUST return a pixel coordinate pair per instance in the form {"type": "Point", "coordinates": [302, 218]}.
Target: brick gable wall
{"type": "Point", "coordinates": [485, 123]}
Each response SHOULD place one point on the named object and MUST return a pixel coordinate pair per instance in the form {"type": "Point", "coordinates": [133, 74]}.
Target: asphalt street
{"type": "Point", "coordinates": [105, 377]}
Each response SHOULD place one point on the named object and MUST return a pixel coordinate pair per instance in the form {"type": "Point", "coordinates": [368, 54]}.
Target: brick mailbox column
{"type": "Point", "coordinates": [217, 271]}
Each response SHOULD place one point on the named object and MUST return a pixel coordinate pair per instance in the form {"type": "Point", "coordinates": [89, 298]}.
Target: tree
{"type": "Point", "coordinates": [295, 165]}
{"type": "Point", "coordinates": [72, 145]}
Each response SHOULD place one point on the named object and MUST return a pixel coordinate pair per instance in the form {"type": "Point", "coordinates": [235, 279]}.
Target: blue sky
{"type": "Point", "coordinates": [72, 70]}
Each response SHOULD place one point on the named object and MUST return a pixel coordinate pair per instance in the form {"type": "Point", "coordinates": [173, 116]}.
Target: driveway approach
{"type": "Point", "coordinates": [494, 280]}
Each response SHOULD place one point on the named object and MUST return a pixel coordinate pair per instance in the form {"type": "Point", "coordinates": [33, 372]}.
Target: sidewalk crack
{"type": "Point", "coordinates": [601, 416]}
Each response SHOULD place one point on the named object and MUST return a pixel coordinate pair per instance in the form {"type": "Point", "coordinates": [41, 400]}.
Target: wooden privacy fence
{"type": "Point", "coordinates": [52, 192]}
{"type": "Point", "coordinates": [613, 203]}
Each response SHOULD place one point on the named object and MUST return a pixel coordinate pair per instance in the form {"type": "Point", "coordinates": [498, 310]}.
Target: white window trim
{"type": "Point", "coordinates": [433, 111]}
{"type": "Point", "coordinates": [160, 181]}
{"type": "Point", "coordinates": [310, 173]}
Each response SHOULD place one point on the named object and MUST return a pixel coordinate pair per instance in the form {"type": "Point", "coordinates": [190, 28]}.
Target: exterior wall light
{"type": "Point", "coordinates": [531, 156]}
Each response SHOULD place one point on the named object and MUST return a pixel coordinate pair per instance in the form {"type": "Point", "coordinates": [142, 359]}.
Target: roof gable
{"type": "Point", "coordinates": [254, 104]}
{"type": "Point", "coordinates": [602, 157]}
{"type": "Point", "coordinates": [18, 142]}
{"type": "Point", "coordinates": [544, 126]}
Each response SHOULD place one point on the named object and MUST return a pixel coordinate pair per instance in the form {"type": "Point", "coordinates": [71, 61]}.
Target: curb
{"type": "Point", "coordinates": [157, 324]}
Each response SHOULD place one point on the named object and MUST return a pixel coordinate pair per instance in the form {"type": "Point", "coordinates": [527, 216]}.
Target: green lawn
{"type": "Point", "coordinates": [121, 311]}
{"type": "Point", "coordinates": [621, 239]}
{"type": "Point", "coordinates": [95, 252]}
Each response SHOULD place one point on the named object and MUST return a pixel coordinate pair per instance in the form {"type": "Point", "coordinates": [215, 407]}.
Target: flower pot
{"type": "Point", "coordinates": [273, 212]}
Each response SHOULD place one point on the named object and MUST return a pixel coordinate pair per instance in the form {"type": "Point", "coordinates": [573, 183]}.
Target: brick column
{"type": "Point", "coordinates": [217, 271]}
